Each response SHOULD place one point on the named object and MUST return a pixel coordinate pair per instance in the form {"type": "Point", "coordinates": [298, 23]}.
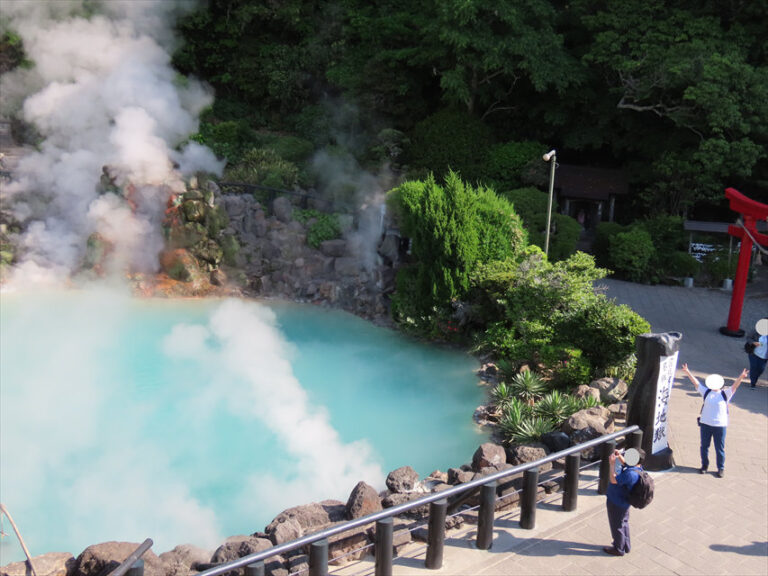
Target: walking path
{"type": "Point", "coordinates": [697, 524]}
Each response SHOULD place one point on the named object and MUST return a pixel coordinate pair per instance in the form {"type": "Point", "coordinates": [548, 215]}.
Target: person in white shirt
{"type": "Point", "coordinates": [713, 421]}
{"type": "Point", "coordinates": [758, 358]}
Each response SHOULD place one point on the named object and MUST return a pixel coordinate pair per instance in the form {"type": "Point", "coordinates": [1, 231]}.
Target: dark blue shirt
{"type": "Point", "coordinates": [618, 494]}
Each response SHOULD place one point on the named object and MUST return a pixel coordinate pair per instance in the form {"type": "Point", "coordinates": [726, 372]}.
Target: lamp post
{"type": "Point", "coordinates": [551, 157]}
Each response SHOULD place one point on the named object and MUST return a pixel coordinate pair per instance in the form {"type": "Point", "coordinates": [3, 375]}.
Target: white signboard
{"type": "Point", "coordinates": [667, 367]}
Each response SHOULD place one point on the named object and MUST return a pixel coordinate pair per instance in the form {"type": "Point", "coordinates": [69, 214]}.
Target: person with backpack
{"type": "Point", "coordinates": [713, 421]}
{"type": "Point", "coordinates": [617, 500]}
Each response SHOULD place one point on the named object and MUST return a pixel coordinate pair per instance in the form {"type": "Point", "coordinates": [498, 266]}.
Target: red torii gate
{"type": "Point", "coordinates": [751, 212]}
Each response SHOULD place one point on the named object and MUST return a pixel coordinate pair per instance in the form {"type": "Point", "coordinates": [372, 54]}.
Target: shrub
{"type": "Point", "coordinates": [263, 166]}
{"type": "Point", "coordinates": [450, 140]}
{"type": "Point", "coordinates": [325, 227]}
{"type": "Point", "coordinates": [230, 247]}
{"type": "Point", "coordinates": [513, 164]}
{"type": "Point", "coordinates": [679, 265]}
{"type": "Point", "coordinates": [715, 266]}
{"type": "Point", "coordinates": [605, 331]}
{"type": "Point", "coordinates": [568, 365]}
{"type": "Point", "coordinates": [601, 245]}
{"type": "Point", "coordinates": [624, 370]}
{"type": "Point", "coordinates": [631, 253]}
{"type": "Point", "coordinates": [290, 148]}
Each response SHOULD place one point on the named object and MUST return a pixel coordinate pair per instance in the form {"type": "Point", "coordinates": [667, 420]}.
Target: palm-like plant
{"type": "Point", "coordinates": [511, 418]}
{"type": "Point", "coordinates": [501, 396]}
{"type": "Point", "coordinates": [531, 430]}
{"type": "Point", "coordinates": [588, 402]}
{"type": "Point", "coordinates": [553, 407]}
{"type": "Point", "coordinates": [528, 386]}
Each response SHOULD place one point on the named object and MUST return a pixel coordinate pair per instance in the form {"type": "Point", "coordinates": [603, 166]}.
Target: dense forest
{"type": "Point", "coordinates": [674, 92]}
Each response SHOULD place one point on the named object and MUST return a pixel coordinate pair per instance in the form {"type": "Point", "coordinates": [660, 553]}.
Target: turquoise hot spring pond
{"type": "Point", "coordinates": [188, 421]}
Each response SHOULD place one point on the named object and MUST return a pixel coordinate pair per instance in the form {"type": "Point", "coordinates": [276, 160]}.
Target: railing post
{"type": "Point", "coordinates": [635, 440]}
{"type": "Point", "coordinates": [318, 558]}
{"type": "Point", "coordinates": [606, 449]}
{"type": "Point", "coordinates": [436, 534]}
{"type": "Point", "coordinates": [571, 488]}
{"type": "Point", "coordinates": [136, 569]}
{"type": "Point", "coordinates": [528, 501]}
{"type": "Point", "coordinates": [485, 516]}
{"type": "Point", "coordinates": [384, 547]}
{"type": "Point", "coordinates": [255, 569]}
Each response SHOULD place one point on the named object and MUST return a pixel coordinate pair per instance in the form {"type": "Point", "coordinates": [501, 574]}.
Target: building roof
{"type": "Point", "coordinates": [586, 182]}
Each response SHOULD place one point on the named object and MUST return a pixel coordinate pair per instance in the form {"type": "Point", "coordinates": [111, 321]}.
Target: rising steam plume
{"type": "Point", "coordinates": [101, 92]}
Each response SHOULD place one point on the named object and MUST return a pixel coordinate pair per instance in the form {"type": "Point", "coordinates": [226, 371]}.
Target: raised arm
{"type": "Point", "coordinates": [737, 383]}
{"type": "Point", "coordinates": [691, 377]}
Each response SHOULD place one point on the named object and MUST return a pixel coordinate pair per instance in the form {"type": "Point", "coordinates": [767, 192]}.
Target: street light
{"type": "Point", "coordinates": [551, 157]}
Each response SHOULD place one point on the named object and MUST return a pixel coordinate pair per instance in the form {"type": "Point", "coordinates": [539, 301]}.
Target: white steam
{"type": "Point", "coordinates": [246, 354]}
{"type": "Point", "coordinates": [101, 92]}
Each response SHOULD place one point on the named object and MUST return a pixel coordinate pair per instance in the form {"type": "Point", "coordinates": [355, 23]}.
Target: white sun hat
{"type": "Point", "coordinates": [714, 382]}
{"type": "Point", "coordinates": [631, 457]}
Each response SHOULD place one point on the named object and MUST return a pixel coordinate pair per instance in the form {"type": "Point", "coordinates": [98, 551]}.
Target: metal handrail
{"type": "Point", "coordinates": [400, 508]}
{"type": "Point", "coordinates": [132, 558]}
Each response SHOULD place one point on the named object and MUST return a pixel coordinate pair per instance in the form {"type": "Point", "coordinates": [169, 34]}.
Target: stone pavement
{"type": "Point", "coordinates": [697, 524]}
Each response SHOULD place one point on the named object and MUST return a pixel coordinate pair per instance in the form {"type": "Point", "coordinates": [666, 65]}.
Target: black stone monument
{"type": "Point", "coordinates": [649, 393]}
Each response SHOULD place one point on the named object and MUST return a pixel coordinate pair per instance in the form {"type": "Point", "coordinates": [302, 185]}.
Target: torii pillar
{"type": "Point", "coordinates": [751, 212]}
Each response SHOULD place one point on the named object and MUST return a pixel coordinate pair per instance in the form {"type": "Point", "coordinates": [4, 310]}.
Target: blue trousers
{"type": "Point", "coordinates": [618, 520]}
{"type": "Point", "coordinates": [756, 367]}
{"type": "Point", "coordinates": [707, 434]}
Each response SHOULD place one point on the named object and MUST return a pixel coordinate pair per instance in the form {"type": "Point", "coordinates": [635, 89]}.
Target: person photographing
{"type": "Point", "coordinates": [713, 420]}
{"type": "Point", "coordinates": [617, 497]}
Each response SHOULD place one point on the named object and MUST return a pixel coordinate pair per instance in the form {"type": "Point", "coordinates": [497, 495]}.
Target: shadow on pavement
{"type": "Point", "coordinates": [562, 547]}
{"type": "Point", "coordinates": [754, 549]}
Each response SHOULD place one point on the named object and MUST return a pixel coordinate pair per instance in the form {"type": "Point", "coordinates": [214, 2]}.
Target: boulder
{"type": "Point", "coordinates": [459, 476]}
{"type": "Point", "coordinates": [282, 209]}
{"type": "Point", "coordinates": [488, 454]}
{"type": "Point", "coordinates": [239, 546]}
{"type": "Point", "coordinates": [611, 390]}
{"type": "Point", "coordinates": [404, 479]}
{"type": "Point", "coordinates": [347, 266]}
{"type": "Point", "coordinates": [556, 441]}
{"type": "Point", "coordinates": [524, 453]}
{"type": "Point", "coordinates": [597, 418]}
{"type": "Point", "coordinates": [334, 248]}
{"type": "Point", "coordinates": [397, 499]}
{"type": "Point", "coordinates": [194, 210]}
{"type": "Point", "coordinates": [583, 390]}
{"type": "Point", "coordinates": [183, 560]}
{"type": "Point", "coordinates": [306, 519]}
{"type": "Point", "coordinates": [101, 559]}
{"type": "Point", "coordinates": [51, 564]}
{"type": "Point", "coordinates": [362, 501]}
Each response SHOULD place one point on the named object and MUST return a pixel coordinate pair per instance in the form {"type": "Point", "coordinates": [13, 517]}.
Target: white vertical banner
{"type": "Point", "coordinates": [667, 367]}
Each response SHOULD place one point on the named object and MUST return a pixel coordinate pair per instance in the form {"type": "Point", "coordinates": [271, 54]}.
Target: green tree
{"type": "Point", "coordinates": [492, 45]}
{"type": "Point", "coordinates": [692, 79]}
{"type": "Point", "coordinates": [452, 228]}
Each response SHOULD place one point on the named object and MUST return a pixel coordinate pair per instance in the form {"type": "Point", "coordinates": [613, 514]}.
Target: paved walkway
{"type": "Point", "coordinates": [697, 524]}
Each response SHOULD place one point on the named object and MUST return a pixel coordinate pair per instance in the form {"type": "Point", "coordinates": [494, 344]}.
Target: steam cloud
{"type": "Point", "coordinates": [246, 355]}
{"type": "Point", "coordinates": [101, 92]}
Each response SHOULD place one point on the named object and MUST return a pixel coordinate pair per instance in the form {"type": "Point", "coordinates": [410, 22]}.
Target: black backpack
{"type": "Point", "coordinates": [642, 492]}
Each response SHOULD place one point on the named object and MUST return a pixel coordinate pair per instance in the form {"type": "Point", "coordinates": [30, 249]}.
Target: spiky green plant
{"type": "Point", "coordinates": [554, 407]}
{"type": "Point", "coordinates": [528, 386]}
{"type": "Point", "coordinates": [501, 396]}
{"type": "Point", "coordinates": [511, 418]}
{"type": "Point", "coordinates": [588, 402]}
{"type": "Point", "coordinates": [531, 430]}
{"type": "Point", "coordinates": [507, 369]}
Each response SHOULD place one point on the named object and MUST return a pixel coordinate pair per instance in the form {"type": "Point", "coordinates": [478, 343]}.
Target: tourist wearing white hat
{"type": "Point", "coordinates": [713, 420]}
